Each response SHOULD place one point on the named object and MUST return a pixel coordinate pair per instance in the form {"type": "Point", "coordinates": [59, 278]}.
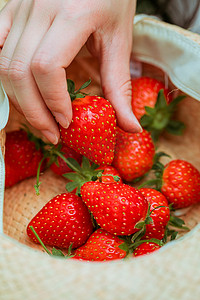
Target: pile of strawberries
{"type": "Point", "coordinates": [102, 216]}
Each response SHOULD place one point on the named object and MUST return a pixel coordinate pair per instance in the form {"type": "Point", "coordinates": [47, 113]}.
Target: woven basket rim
{"type": "Point", "coordinates": [170, 244]}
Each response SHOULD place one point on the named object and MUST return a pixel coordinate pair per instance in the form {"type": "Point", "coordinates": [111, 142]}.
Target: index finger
{"type": "Point", "coordinates": [56, 51]}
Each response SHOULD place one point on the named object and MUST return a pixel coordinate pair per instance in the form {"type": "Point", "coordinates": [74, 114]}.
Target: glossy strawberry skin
{"type": "Point", "coordinates": [160, 216]}
{"type": "Point", "coordinates": [146, 248]}
{"type": "Point", "coordinates": [181, 183]}
{"type": "Point", "coordinates": [101, 246]}
{"type": "Point", "coordinates": [109, 170]}
{"type": "Point", "coordinates": [92, 131]}
{"type": "Point", "coordinates": [134, 153]}
{"type": "Point", "coordinates": [116, 207]}
{"type": "Point", "coordinates": [21, 157]}
{"type": "Point", "coordinates": [144, 93]}
{"type": "Point", "coordinates": [62, 168]}
{"type": "Point", "coordinates": [64, 220]}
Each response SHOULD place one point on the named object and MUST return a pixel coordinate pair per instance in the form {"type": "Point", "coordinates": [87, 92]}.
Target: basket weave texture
{"type": "Point", "coordinates": [26, 272]}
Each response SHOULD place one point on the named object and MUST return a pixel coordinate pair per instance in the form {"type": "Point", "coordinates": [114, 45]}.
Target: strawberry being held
{"type": "Point", "coordinates": [64, 220]}
{"type": "Point", "coordinates": [92, 131]}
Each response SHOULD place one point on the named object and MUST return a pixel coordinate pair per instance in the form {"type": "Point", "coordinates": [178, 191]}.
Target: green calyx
{"type": "Point", "coordinates": [136, 239]}
{"type": "Point", "coordinates": [175, 223]}
{"type": "Point", "coordinates": [129, 247]}
{"type": "Point", "coordinates": [76, 93]}
{"type": "Point", "coordinates": [85, 172]}
{"type": "Point", "coordinates": [160, 118]}
{"type": "Point", "coordinates": [157, 170]}
{"type": "Point", "coordinates": [142, 225]}
{"type": "Point", "coordinates": [82, 174]}
{"type": "Point", "coordinates": [50, 152]}
{"type": "Point", "coordinates": [100, 175]}
{"type": "Point", "coordinates": [131, 242]}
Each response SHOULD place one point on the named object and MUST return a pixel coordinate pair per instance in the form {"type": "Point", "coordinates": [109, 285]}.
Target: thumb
{"type": "Point", "coordinates": [116, 85]}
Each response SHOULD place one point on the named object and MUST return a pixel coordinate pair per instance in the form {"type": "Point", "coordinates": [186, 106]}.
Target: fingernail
{"type": "Point", "coordinates": [52, 137]}
{"type": "Point", "coordinates": [138, 126]}
{"type": "Point", "coordinates": [62, 120]}
{"type": "Point", "coordinates": [140, 129]}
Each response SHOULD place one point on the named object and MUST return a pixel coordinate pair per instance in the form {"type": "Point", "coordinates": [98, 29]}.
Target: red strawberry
{"type": "Point", "coordinates": [181, 183]}
{"type": "Point", "coordinates": [145, 92]}
{"type": "Point", "coordinates": [160, 216]}
{"type": "Point", "coordinates": [92, 131]}
{"type": "Point", "coordinates": [101, 246]}
{"type": "Point", "coordinates": [153, 106]}
{"type": "Point", "coordinates": [145, 248]}
{"type": "Point", "coordinates": [62, 221]}
{"type": "Point", "coordinates": [116, 207]}
{"type": "Point", "coordinates": [22, 156]}
{"type": "Point", "coordinates": [109, 174]}
{"type": "Point", "coordinates": [134, 153]}
{"type": "Point", "coordinates": [59, 166]}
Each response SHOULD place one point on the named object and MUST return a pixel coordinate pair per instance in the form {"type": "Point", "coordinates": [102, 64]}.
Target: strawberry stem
{"type": "Point", "coordinates": [39, 240]}
{"type": "Point", "coordinates": [37, 185]}
{"type": "Point", "coordinates": [158, 169]}
{"type": "Point", "coordinates": [68, 162]}
{"type": "Point", "coordinates": [177, 222]}
{"type": "Point", "coordinates": [157, 208]}
{"type": "Point", "coordinates": [55, 252]}
{"type": "Point", "coordinates": [153, 240]}
{"type": "Point", "coordinates": [76, 93]}
{"type": "Point", "coordinates": [142, 224]}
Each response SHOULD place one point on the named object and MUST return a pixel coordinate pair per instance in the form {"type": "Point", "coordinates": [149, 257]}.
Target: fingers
{"type": "Point", "coordinates": [37, 50]}
{"type": "Point", "coordinates": [19, 48]}
{"type": "Point", "coordinates": [37, 79]}
{"type": "Point", "coordinates": [112, 43]}
{"type": "Point", "coordinates": [6, 19]}
{"type": "Point", "coordinates": [32, 68]}
{"type": "Point", "coordinates": [56, 51]}
{"type": "Point", "coordinates": [116, 84]}
{"type": "Point", "coordinates": [10, 44]}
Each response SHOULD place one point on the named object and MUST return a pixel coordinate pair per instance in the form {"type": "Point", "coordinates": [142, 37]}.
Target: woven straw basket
{"type": "Point", "coordinates": [26, 272]}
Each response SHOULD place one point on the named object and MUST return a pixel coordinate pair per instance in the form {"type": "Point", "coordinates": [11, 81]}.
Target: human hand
{"type": "Point", "coordinates": [40, 38]}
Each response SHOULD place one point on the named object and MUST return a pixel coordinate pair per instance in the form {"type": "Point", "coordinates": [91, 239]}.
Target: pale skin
{"type": "Point", "coordinates": [40, 38]}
